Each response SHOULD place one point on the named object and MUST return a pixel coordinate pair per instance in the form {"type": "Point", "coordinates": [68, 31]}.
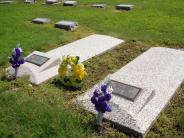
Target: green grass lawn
{"type": "Point", "coordinates": [48, 110]}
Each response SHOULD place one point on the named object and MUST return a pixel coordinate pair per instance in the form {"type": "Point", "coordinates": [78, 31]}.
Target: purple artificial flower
{"type": "Point", "coordinates": [17, 52]}
{"type": "Point", "coordinates": [96, 93]}
{"type": "Point", "coordinates": [100, 100]}
{"type": "Point", "coordinates": [108, 96]}
{"type": "Point", "coordinates": [108, 109]}
{"type": "Point", "coordinates": [93, 100]}
{"type": "Point", "coordinates": [16, 58]}
{"type": "Point", "coordinates": [98, 108]}
{"type": "Point", "coordinates": [105, 107]}
{"type": "Point", "coordinates": [104, 88]}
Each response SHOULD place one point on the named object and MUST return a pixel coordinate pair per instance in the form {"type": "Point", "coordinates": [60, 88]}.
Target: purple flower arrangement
{"type": "Point", "coordinates": [16, 58]}
{"type": "Point", "coordinates": [100, 99]}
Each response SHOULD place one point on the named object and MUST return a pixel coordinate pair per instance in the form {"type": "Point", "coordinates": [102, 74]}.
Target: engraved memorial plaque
{"type": "Point", "coordinates": [127, 91]}
{"type": "Point", "coordinates": [37, 59]}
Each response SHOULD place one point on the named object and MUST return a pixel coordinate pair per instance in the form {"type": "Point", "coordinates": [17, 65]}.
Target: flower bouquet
{"type": "Point", "coordinates": [100, 99]}
{"type": "Point", "coordinates": [16, 59]}
{"type": "Point", "coordinates": [71, 72]}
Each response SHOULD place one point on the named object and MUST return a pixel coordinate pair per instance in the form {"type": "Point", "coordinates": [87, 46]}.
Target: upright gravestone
{"type": "Point", "coordinates": [142, 89]}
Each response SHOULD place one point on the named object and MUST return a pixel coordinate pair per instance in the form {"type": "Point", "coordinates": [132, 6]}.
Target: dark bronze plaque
{"type": "Point", "coordinates": [127, 91]}
{"type": "Point", "coordinates": [37, 59]}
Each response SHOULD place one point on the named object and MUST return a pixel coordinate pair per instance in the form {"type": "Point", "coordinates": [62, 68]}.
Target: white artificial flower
{"type": "Point", "coordinates": [110, 89]}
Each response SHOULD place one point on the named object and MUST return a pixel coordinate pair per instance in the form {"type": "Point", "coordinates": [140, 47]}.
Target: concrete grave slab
{"type": "Point", "coordinates": [124, 7]}
{"type": "Point", "coordinates": [98, 5]}
{"type": "Point", "coordinates": [67, 25]}
{"type": "Point", "coordinates": [29, 1]}
{"type": "Point", "coordinates": [41, 20]}
{"type": "Point", "coordinates": [6, 1]}
{"type": "Point", "coordinates": [157, 73]}
{"type": "Point", "coordinates": [45, 65]}
{"type": "Point", "coordinates": [52, 2]}
{"type": "Point", "coordinates": [70, 3]}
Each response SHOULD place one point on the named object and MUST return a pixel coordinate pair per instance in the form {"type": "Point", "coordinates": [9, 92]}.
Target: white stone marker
{"type": "Point", "coordinates": [6, 1]}
{"type": "Point", "coordinates": [98, 5]}
{"type": "Point", "coordinates": [146, 85]}
{"type": "Point", "coordinates": [43, 66]}
{"type": "Point", "coordinates": [41, 20]}
{"type": "Point", "coordinates": [70, 3]}
{"type": "Point", "coordinates": [29, 1]}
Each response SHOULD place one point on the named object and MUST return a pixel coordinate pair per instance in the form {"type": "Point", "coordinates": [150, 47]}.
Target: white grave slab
{"type": "Point", "coordinates": [45, 65]}
{"type": "Point", "coordinates": [6, 1]}
{"type": "Point", "coordinates": [142, 89]}
{"type": "Point", "coordinates": [70, 3]}
{"type": "Point", "coordinates": [29, 1]}
{"type": "Point", "coordinates": [41, 20]}
{"type": "Point", "coordinates": [98, 5]}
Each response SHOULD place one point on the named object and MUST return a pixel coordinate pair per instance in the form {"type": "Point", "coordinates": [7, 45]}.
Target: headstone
{"type": "Point", "coordinates": [124, 7]}
{"type": "Point", "coordinates": [67, 25]}
{"type": "Point", "coordinates": [41, 20]}
{"type": "Point", "coordinates": [98, 5]}
{"type": "Point", "coordinates": [45, 65]}
{"type": "Point", "coordinates": [142, 89]}
{"type": "Point", "coordinates": [52, 2]}
{"type": "Point", "coordinates": [30, 1]}
{"type": "Point", "coordinates": [70, 3]}
{"type": "Point", "coordinates": [6, 1]}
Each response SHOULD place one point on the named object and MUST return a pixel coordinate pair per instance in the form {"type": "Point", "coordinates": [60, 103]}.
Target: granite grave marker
{"type": "Point", "coordinates": [37, 59]}
{"type": "Point", "coordinates": [67, 25]}
{"type": "Point", "coordinates": [126, 7]}
{"type": "Point", "coordinates": [155, 76]}
{"type": "Point", "coordinates": [98, 5]}
{"type": "Point", "coordinates": [6, 1]}
{"type": "Point", "coordinates": [70, 3]}
{"type": "Point", "coordinates": [127, 91]}
{"type": "Point", "coordinates": [29, 1]}
{"type": "Point", "coordinates": [52, 2]}
{"type": "Point", "coordinates": [41, 20]}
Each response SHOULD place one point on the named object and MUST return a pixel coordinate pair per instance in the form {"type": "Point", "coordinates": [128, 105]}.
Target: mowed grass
{"type": "Point", "coordinates": [48, 110]}
{"type": "Point", "coordinates": [151, 22]}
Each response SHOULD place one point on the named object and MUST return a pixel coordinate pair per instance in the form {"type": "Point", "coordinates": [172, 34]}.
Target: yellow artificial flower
{"type": "Point", "coordinates": [79, 71]}
{"type": "Point", "coordinates": [73, 59]}
{"type": "Point", "coordinates": [62, 70]}
{"type": "Point", "coordinates": [64, 58]}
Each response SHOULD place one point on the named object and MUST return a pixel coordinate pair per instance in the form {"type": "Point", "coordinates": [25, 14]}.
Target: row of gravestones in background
{"type": "Point", "coordinates": [72, 3]}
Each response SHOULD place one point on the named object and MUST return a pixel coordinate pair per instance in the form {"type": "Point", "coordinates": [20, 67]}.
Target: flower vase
{"type": "Point", "coordinates": [100, 118]}
{"type": "Point", "coordinates": [16, 73]}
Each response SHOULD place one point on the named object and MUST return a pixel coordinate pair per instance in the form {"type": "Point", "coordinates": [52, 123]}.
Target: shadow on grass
{"type": "Point", "coordinates": [57, 83]}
